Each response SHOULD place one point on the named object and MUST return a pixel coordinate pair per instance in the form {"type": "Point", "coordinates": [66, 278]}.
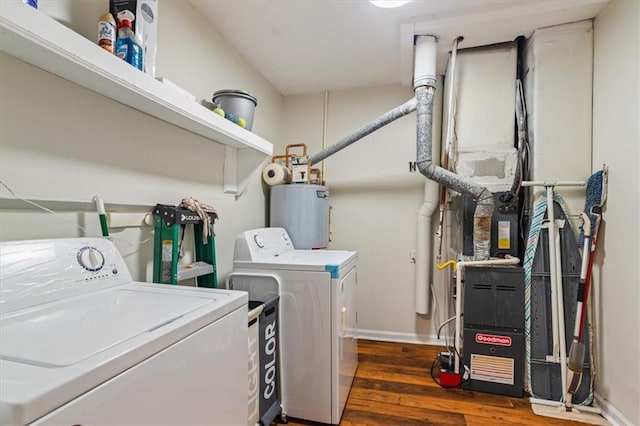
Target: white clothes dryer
{"type": "Point", "coordinates": [81, 343]}
{"type": "Point", "coordinates": [318, 343]}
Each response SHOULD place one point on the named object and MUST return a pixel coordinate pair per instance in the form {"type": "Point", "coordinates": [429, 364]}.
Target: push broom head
{"type": "Point", "coordinates": [596, 196]}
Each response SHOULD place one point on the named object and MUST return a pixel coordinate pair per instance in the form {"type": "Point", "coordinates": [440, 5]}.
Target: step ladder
{"type": "Point", "coordinates": [168, 222]}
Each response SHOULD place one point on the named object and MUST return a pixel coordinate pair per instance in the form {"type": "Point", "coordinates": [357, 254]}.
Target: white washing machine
{"type": "Point", "coordinates": [80, 343]}
{"type": "Point", "coordinates": [318, 344]}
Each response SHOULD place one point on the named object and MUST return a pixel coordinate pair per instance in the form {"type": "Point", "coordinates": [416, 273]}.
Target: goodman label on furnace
{"type": "Point", "coordinates": [493, 339]}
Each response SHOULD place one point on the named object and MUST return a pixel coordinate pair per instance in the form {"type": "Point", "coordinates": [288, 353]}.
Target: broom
{"type": "Point", "coordinates": [596, 196]}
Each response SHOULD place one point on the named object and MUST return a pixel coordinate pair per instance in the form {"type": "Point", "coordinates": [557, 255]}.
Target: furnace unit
{"type": "Point", "coordinates": [494, 329]}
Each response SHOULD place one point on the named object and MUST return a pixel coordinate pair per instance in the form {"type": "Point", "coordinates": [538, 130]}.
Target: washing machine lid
{"type": "Point", "coordinates": [305, 260]}
{"type": "Point", "coordinates": [54, 352]}
{"type": "Point", "coordinates": [62, 334]}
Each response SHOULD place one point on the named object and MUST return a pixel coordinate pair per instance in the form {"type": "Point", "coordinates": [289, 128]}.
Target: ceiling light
{"type": "Point", "coordinates": [387, 4]}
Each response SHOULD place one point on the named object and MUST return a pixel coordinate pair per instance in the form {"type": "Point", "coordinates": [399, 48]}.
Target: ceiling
{"type": "Point", "coordinates": [309, 46]}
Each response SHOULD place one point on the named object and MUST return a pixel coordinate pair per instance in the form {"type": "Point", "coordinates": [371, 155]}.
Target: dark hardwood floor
{"type": "Point", "coordinates": [393, 386]}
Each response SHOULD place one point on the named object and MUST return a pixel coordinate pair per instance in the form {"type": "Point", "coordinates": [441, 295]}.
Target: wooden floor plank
{"type": "Point", "coordinates": [393, 386]}
{"type": "Point", "coordinates": [375, 395]}
{"type": "Point", "coordinates": [492, 413]}
{"type": "Point", "coordinates": [400, 375]}
{"type": "Point", "coordinates": [424, 415]}
{"type": "Point", "coordinates": [365, 418]}
{"type": "Point", "coordinates": [386, 360]}
{"type": "Point", "coordinates": [451, 395]}
{"type": "Point", "coordinates": [484, 421]}
{"type": "Point", "coordinates": [393, 369]}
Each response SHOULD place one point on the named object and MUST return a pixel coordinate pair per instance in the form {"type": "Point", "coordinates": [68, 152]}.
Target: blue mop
{"type": "Point", "coordinates": [596, 196]}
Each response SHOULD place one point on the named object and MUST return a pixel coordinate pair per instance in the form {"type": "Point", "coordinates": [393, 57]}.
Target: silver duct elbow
{"type": "Point", "coordinates": [483, 197]}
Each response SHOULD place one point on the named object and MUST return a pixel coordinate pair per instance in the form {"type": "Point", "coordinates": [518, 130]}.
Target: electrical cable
{"type": "Point", "coordinates": [446, 340]}
{"type": "Point", "coordinates": [443, 324]}
{"type": "Point", "coordinates": [436, 309]}
{"type": "Point", "coordinates": [446, 337]}
{"type": "Point", "coordinates": [135, 246]}
{"type": "Point", "coordinates": [33, 203]}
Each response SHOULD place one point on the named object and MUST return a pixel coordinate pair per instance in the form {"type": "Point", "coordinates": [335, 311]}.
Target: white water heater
{"type": "Point", "coordinates": [303, 210]}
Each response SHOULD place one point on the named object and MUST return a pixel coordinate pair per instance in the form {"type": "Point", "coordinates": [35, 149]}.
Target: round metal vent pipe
{"type": "Point", "coordinates": [424, 87]}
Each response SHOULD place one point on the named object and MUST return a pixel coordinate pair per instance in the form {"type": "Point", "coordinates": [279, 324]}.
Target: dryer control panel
{"type": "Point", "coordinates": [41, 271]}
{"type": "Point", "coordinates": [262, 243]}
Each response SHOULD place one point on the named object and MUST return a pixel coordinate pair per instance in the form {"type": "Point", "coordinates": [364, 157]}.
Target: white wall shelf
{"type": "Point", "coordinates": [39, 40]}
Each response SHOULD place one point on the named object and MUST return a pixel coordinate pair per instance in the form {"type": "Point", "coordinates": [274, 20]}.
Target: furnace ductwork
{"type": "Point", "coordinates": [425, 86]}
{"type": "Point", "coordinates": [386, 118]}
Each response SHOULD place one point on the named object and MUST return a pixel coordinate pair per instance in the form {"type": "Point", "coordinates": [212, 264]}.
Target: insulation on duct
{"type": "Point", "coordinates": [424, 82]}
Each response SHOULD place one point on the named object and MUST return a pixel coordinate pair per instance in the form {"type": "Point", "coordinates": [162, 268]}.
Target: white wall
{"type": "Point", "coordinates": [616, 138]}
{"type": "Point", "coordinates": [558, 89]}
{"type": "Point", "coordinates": [62, 142]}
{"type": "Point", "coordinates": [375, 201]}
{"type": "Point", "coordinates": [302, 121]}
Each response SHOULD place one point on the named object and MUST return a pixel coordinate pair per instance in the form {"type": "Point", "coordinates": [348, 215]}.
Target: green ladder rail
{"type": "Point", "coordinates": [168, 220]}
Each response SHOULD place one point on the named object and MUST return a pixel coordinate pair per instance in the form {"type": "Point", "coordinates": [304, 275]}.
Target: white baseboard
{"type": "Point", "coordinates": [391, 336]}
{"type": "Point", "coordinates": [611, 413]}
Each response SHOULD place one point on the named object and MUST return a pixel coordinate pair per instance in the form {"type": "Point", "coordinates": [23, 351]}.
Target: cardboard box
{"type": "Point", "coordinates": [145, 26]}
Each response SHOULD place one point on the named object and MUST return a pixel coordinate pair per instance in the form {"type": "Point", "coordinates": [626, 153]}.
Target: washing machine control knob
{"type": "Point", "coordinates": [90, 258]}
{"type": "Point", "coordinates": [258, 240]}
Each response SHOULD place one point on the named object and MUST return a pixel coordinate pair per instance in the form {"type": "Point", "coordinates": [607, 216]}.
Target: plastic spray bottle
{"type": "Point", "coordinates": [107, 32]}
{"type": "Point", "coordinates": [128, 47]}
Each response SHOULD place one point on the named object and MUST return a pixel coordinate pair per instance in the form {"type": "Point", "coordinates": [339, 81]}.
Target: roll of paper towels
{"type": "Point", "coordinates": [275, 174]}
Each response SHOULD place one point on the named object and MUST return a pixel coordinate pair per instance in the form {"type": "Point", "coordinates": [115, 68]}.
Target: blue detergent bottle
{"type": "Point", "coordinates": [128, 48]}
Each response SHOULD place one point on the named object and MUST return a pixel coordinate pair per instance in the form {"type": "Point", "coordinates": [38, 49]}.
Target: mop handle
{"type": "Point", "coordinates": [592, 255]}
{"type": "Point", "coordinates": [583, 286]}
{"type": "Point", "coordinates": [102, 214]}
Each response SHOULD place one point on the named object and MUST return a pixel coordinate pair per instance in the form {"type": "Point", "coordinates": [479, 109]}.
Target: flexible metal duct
{"type": "Point", "coordinates": [425, 86]}
{"type": "Point", "coordinates": [386, 118]}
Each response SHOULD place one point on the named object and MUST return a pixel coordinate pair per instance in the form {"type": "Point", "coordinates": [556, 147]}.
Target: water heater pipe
{"type": "Point", "coordinates": [325, 121]}
{"type": "Point", "coordinates": [451, 80]}
{"type": "Point", "coordinates": [424, 238]}
{"type": "Point", "coordinates": [424, 86]}
{"type": "Point", "coordinates": [424, 246]}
